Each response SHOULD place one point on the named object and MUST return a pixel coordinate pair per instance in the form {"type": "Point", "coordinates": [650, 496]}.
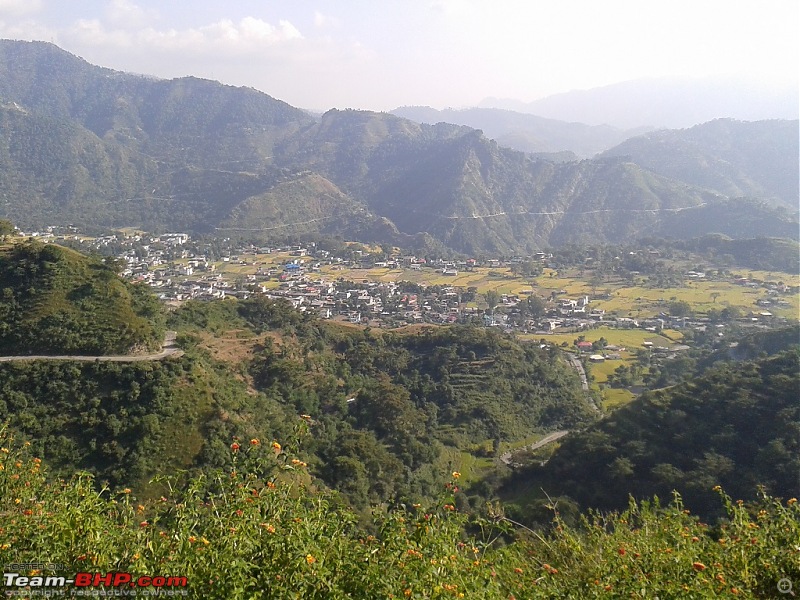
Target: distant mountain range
{"type": "Point", "coordinates": [526, 132]}
{"type": "Point", "coordinates": [92, 146]}
{"type": "Point", "coordinates": [662, 103]}
{"type": "Point", "coordinates": [730, 157]}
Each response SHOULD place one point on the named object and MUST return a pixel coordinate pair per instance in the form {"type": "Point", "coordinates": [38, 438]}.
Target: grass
{"type": "Point", "coordinates": [472, 468]}
{"type": "Point", "coordinates": [628, 338]}
{"type": "Point", "coordinates": [614, 398]}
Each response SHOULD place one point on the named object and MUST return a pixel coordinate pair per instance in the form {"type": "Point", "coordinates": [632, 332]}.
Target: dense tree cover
{"type": "Point", "coordinates": [386, 403]}
{"type": "Point", "coordinates": [55, 301]}
{"type": "Point", "coordinates": [737, 425]}
{"type": "Point", "coordinates": [260, 529]}
{"type": "Point", "coordinates": [125, 422]}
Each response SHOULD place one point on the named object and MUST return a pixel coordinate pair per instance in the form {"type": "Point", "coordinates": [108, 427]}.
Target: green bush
{"type": "Point", "coordinates": [262, 530]}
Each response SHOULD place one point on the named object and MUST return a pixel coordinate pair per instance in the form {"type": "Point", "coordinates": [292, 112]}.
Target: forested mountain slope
{"type": "Point", "coordinates": [56, 301]}
{"type": "Point", "coordinates": [737, 426]}
{"type": "Point", "coordinates": [87, 145]}
{"type": "Point", "coordinates": [734, 158]}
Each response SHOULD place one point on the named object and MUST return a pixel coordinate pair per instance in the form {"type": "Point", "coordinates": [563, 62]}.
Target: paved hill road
{"type": "Point", "coordinates": [549, 438]}
{"type": "Point", "coordinates": [168, 349]}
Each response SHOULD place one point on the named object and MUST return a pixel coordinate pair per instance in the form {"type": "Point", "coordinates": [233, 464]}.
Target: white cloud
{"type": "Point", "coordinates": [19, 7]}
{"type": "Point", "coordinates": [28, 30]}
{"type": "Point", "coordinates": [324, 21]}
{"type": "Point", "coordinates": [124, 13]}
{"type": "Point", "coordinates": [224, 36]}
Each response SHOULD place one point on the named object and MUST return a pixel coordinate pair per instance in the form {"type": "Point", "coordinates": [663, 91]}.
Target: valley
{"type": "Point", "coordinates": [257, 351]}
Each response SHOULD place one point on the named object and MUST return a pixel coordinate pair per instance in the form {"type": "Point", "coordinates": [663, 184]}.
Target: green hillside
{"type": "Point", "coordinates": [736, 425]}
{"type": "Point", "coordinates": [393, 411]}
{"type": "Point", "coordinates": [96, 147]}
{"type": "Point", "coordinates": [730, 157]}
{"type": "Point", "coordinates": [56, 301]}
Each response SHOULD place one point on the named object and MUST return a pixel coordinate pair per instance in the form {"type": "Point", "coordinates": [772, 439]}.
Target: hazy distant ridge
{"type": "Point", "coordinates": [662, 103]}
{"type": "Point", "coordinates": [525, 132]}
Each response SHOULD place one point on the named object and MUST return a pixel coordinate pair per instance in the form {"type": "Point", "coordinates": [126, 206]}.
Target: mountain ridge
{"type": "Point", "coordinates": [98, 147]}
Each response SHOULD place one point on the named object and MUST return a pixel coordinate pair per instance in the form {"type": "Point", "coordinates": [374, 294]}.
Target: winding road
{"type": "Point", "coordinates": [548, 439]}
{"type": "Point", "coordinates": [578, 366]}
{"type": "Point", "coordinates": [168, 349]}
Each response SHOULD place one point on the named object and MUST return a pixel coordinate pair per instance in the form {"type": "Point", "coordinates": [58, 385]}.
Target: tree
{"type": "Point", "coordinates": [492, 298]}
{"type": "Point", "coordinates": [6, 229]}
{"type": "Point", "coordinates": [533, 307]}
{"type": "Point", "coordinates": [680, 308]}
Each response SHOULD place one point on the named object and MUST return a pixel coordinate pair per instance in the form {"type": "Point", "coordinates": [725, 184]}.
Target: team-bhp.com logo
{"type": "Point", "coordinates": [82, 583]}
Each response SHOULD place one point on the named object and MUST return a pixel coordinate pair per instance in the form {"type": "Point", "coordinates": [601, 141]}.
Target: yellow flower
{"type": "Point", "coordinates": [305, 417]}
{"type": "Point", "coordinates": [17, 500]}
{"type": "Point", "coordinates": [456, 474]}
{"type": "Point", "coordinates": [310, 559]}
{"type": "Point", "coordinates": [791, 501]}
{"type": "Point", "coordinates": [205, 541]}
{"type": "Point", "coordinates": [276, 446]}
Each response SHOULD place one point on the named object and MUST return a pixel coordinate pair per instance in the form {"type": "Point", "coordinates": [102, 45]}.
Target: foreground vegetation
{"type": "Point", "coordinates": [260, 529]}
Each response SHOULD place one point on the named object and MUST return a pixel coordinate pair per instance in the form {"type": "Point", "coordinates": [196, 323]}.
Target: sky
{"type": "Point", "coordinates": [381, 54]}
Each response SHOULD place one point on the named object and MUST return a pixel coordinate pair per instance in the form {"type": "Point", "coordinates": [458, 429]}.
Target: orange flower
{"type": "Point", "coordinates": [144, 524]}
{"type": "Point", "coordinates": [235, 446]}
{"type": "Point", "coordinates": [310, 559]}
{"type": "Point", "coordinates": [791, 501]}
{"type": "Point", "coordinates": [621, 551]}
{"type": "Point", "coordinates": [254, 442]}
{"type": "Point", "coordinates": [456, 474]}
{"type": "Point", "coordinates": [698, 566]}
{"type": "Point", "coordinates": [276, 446]}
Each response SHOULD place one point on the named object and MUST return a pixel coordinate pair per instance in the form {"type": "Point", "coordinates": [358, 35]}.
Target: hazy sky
{"type": "Point", "coordinates": [380, 54]}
